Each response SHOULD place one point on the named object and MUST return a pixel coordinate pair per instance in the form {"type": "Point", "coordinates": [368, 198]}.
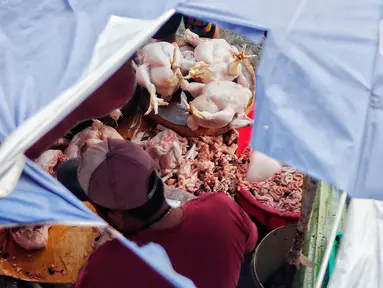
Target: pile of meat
{"type": "Point", "coordinates": [196, 164]}
{"type": "Point", "coordinates": [282, 191]}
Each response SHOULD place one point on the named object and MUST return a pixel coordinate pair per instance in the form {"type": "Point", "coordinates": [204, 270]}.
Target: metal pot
{"type": "Point", "coordinates": [271, 252]}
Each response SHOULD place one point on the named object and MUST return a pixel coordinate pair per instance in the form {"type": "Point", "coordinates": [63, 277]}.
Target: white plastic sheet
{"type": "Point", "coordinates": [360, 259]}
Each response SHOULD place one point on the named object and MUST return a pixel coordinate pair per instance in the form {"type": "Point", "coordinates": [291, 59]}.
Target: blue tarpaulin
{"type": "Point", "coordinates": [319, 94]}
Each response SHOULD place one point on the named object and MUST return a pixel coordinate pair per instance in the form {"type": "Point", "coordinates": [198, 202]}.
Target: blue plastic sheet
{"type": "Point", "coordinates": [319, 93]}
{"type": "Point", "coordinates": [43, 201]}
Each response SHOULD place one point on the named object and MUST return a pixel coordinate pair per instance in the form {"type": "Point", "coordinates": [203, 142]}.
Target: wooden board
{"type": "Point", "coordinates": [68, 249]}
{"type": "Point", "coordinates": [174, 116]}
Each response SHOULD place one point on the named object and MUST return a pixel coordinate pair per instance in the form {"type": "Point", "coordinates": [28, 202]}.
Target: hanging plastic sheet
{"type": "Point", "coordinates": [319, 93]}
{"type": "Point", "coordinates": [360, 258]}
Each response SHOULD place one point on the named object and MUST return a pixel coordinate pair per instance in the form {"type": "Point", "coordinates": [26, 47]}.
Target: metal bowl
{"type": "Point", "coordinates": [270, 254]}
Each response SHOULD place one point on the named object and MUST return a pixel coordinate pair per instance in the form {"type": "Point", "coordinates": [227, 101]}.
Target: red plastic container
{"type": "Point", "coordinates": [269, 217]}
{"type": "Point", "coordinates": [245, 134]}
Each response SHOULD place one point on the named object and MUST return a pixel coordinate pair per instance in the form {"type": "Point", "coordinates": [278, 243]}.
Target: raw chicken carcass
{"type": "Point", "coordinates": [74, 147]}
{"type": "Point", "coordinates": [31, 238]}
{"type": "Point", "coordinates": [216, 60]}
{"type": "Point", "coordinates": [98, 131]}
{"type": "Point", "coordinates": [165, 149]}
{"type": "Point", "coordinates": [159, 72]}
{"type": "Point", "coordinates": [218, 104]}
{"type": "Point", "coordinates": [49, 160]}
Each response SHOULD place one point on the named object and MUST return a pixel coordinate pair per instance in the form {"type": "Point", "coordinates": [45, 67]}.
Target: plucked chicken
{"type": "Point", "coordinates": [49, 160]}
{"type": "Point", "coordinates": [159, 72]}
{"type": "Point", "coordinates": [98, 131]}
{"type": "Point", "coordinates": [165, 149]}
{"type": "Point", "coordinates": [218, 104]}
{"type": "Point", "coordinates": [216, 59]}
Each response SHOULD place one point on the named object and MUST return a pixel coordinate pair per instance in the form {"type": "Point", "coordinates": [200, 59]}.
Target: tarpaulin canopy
{"type": "Point", "coordinates": [318, 94]}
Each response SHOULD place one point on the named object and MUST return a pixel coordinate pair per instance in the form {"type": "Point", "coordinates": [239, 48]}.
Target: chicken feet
{"type": "Point", "coordinates": [234, 67]}
{"type": "Point", "coordinates": [198, 70]}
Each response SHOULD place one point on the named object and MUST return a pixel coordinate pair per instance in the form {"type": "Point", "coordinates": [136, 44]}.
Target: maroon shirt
{"type": "Point", "coordinates": [207, 246]}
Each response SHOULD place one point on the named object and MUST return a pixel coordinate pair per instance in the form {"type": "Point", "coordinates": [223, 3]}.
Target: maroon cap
{"type": "Point", "coordinates": [115, 174]}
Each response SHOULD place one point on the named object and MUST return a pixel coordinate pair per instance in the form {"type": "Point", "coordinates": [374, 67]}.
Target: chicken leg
{"type": "Point", "coordinates": [241, 121]}
{"type": "Point", "coordinates": [143, 76]}
{"type": "Point", "coordinates": [177, 62]}
{"type": "Point", "coordinates": [177, 58]}
{"type": "Point", "coordinates": [242, 80]}
{"type": "Point", "coordinates": [217, 120]}
{"type": "Point", "coordinates": [198, 70]}
{"type": "Point", "coordinates": [195, 88]}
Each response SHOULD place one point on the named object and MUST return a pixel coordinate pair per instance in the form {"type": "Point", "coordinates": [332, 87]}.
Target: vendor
{"type": "Point", "coordinates": [203, 29]}
{"type": "Point", "coordinates": [206, 239]}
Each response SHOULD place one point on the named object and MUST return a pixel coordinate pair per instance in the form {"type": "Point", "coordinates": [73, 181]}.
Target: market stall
{"type": "Point", "coordinates": [282, 125]}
